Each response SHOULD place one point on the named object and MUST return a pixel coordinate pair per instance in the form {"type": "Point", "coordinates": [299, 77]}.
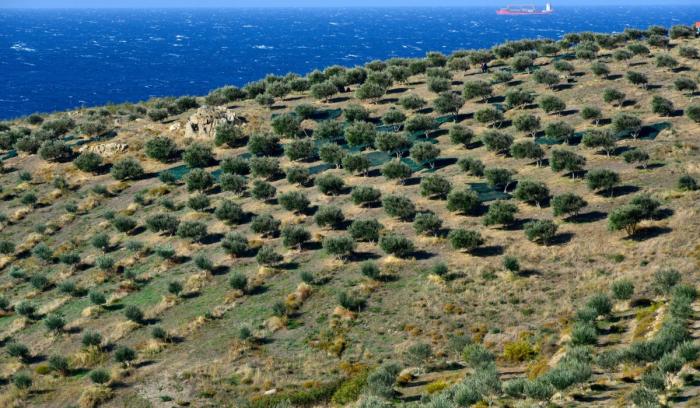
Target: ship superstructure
{"type": "Point", "coordinates": [526, 9]}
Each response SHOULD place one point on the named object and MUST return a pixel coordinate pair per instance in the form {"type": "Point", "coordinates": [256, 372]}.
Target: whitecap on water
{"type": "Point", "coordinates": [263, 47]}
{"type": "Point", "coordinates": [20, 46]}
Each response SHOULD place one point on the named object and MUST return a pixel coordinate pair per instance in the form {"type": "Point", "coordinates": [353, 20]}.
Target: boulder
{"type": "Point", "coordinates": [203, 123]}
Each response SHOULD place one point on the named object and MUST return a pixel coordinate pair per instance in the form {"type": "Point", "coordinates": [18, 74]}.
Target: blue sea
{"type": "Point", "coordinates": [61, 59]}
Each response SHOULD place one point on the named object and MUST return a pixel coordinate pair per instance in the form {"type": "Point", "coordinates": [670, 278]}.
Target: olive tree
{"type": "Point", "coordinates": [566, 160]}
{"type": "Point", "coordinates": [477, 89]}
{"type": "Point", "coordinates": [461, 135]}
{"type": "Point", "coordinates": [602, 180]}
{"type": "Point", "coordinates": [527, 123]}
{"type": "Point", "coordinates": [396, 170]}
{"type": "Point", "coordinates": [627, 123]}
{"type": "Point", "coordinates": [399, 207]}
{"type": "Point", "coordinates": [527, 149]}
{"type": "Point", "coordinates": [636, 156]}
{"type": "Point", "coordinates": [568, 204]}
{"type": "Point", "coordinates": [600, 139]}
{"type": "Point", "coordinates": [500, 212]}
{"type": "Point", "coordinates": [531, 192]}
{"type": "Point", "coordinates": [161, 148]}
{"type": "Point", "coordinates": [435, 186]}
{"type": "Point", "coordinates": [425, 152]}
{"type": "Point", "coordinates": [365, 195]}
{"type": "Point", "coordinates": [464, 201]}
{"type": "Point", "coordinates": [496, 141]}
{"type": "Point", "coordinates": [551, 104]}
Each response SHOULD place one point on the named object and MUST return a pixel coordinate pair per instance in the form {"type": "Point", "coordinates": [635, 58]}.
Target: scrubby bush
{"type": "Point", "coordinates": [133, 314]}
{"type": "Point", "coordinates": [235, 244]}
{"type": "Point", "coordinates": [294, 236]}
{"type": "Point", "coordinates": [238, 281]}
{"type": "Point", "coordinates": [194, 230]}
{"type": "Point", "coordinates": [127, 169]}
{"type": "Point", "coordinates": [265, 167]}
{"type": "Point", "coordinates": [540, 231]}
{"type": "Point", "coordinates": [396, 245]}
{"type": "Point", "coordinates": [462, 239]}
{"type": "Point", "coordinates": [267, 256]}
{"type": "Point", "coordinates": [622, 289]}
{"type": "Point", "coordinates": [687, 183]}
{"type": "Point", "coordinates": [162, 223]}
{"type": "Point", "coordinates": [693, 113]}
{"type": "Point", "coordinates": [88, 162]}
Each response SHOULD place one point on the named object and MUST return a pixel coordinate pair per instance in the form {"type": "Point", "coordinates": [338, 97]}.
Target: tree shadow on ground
{"type": "Point", "coordinates": [649, 233]}
{"type": "Point", "coordinates": [591, 216]}
{"type": "Point", "coordinates": [487, 251]}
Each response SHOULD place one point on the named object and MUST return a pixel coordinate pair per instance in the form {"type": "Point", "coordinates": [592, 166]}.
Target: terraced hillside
{"type": "Point", "coordinates": [428, 232]}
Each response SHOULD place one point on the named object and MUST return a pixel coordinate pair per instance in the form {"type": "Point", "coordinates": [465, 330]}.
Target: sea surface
{"type": "Point", "coordinates": [61, 59]}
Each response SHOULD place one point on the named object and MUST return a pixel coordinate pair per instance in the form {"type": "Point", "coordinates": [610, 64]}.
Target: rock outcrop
{"type": "Point", "coordinates": [106, 149]}
{"type": "Point", "coordinates": [203, 123]}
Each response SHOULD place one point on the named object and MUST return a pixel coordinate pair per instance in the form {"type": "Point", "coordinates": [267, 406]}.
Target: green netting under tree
{"type": "Point", "coordinates": [647, 132]}
{"type": "Point", "coordinates": [487, 193]}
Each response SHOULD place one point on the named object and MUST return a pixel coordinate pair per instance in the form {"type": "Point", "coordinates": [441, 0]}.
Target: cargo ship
{"type": "Point", "coordinates": [525, 10]}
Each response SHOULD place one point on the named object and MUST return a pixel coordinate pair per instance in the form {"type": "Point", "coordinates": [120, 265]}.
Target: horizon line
{"type": "Point", "coordinates": [682, 4]}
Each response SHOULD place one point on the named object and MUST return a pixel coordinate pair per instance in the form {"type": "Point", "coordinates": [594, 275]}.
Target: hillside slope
{"type": "Point", "coordinates": [412, 231]}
